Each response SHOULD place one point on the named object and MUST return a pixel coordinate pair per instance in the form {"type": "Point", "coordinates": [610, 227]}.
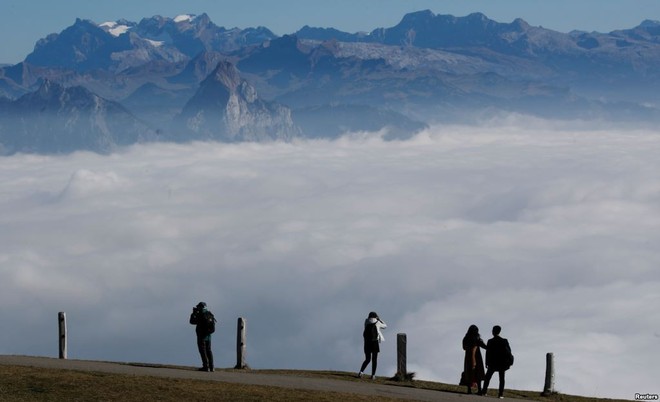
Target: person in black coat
{"type": "Point", "coordinates": [372, 338]}
{"type": "Point", "coordinates": [498, 358]}
{"type": "Point", "coordinates": [204, 322]}
{"type": "Point", "coordinates": [473, 365]}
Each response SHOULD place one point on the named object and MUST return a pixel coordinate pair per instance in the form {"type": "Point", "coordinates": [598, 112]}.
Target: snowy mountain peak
{"type": "Point", "coordinates": [115, 28]}
{"type": "Point", "coordinates": [184, 17]}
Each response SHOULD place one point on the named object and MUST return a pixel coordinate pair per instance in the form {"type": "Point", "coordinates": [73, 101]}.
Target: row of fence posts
{"type": "Point", "coordinates": [401, 353]}
{"type": "Point", "coordinates": [402, 371]}
{"type": "Point", "coordinates": [240, 340]}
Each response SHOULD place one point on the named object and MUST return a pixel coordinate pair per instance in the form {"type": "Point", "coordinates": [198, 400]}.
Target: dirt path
{"type": "Point", "coordinates": [244, 377]}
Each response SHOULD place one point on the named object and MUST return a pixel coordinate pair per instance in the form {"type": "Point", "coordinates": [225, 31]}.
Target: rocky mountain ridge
{"type": "Point", "coordinates": [187, 78]}
{"type": "Point", "coordinates": [55, 119]}
{"type": "Point", "coordinates": [227, 108]}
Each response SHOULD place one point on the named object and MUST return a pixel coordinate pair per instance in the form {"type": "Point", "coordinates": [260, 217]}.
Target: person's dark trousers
{"type": "Point", "coordinates": [204, 347]}
{"type": "Point", "coordinates": [372, 358]}
{"type": "Point", "coordinates": [489, 375]}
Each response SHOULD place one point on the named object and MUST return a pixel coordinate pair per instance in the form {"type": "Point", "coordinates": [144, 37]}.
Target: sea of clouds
{"type": "Point", "coordinates": [549, 230]}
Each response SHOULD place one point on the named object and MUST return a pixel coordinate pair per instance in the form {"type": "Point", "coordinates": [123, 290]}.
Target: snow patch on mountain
{"type": "Point", "coordinates": [155, 43]}
{"type": "Point", "coordinates": [183, 17]}
{"type": "Point", "coordinates": [114, 28]}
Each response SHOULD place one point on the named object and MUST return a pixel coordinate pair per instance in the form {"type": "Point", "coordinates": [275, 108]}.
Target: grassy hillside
{"type": "Point", "coordinates": [18, 383]}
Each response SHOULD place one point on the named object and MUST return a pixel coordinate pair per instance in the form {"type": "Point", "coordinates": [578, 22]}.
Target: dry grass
{"type": "Point", "coordinates": [19, 384]}
{"type": "Point", "coordinates": [437, 386]}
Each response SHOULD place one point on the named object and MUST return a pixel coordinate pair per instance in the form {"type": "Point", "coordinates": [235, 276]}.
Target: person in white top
{"type": "Point", "coordinates": [372, 336]}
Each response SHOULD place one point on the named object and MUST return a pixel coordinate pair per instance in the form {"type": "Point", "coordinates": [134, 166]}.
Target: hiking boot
{"type": "Point", "coordinates": [203, 369]}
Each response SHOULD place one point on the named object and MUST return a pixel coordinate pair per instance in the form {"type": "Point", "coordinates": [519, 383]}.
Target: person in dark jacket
{"type": "Point", "coordinates": [372, 336]}
{"type": "Point", "coordinates": [498, 358]}
{"type": "Point", "coordinates": [204, 323]}
{"type": "Point", "coordinates": [473, 364]}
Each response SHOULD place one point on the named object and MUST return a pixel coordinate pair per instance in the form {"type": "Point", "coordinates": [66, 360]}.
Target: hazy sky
{"type": "Point", "coordinates": [26, 21]}
{"type": "Point", "coordinates": [548, 230]}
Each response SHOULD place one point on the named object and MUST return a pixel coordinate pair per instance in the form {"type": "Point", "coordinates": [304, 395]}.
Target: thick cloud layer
{"type": "Point", "coordinates": [550, 232]}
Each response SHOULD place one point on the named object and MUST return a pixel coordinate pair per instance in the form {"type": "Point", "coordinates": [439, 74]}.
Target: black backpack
{"type": "Point", "coordinates": [370, 332]}
{"type": "Point", "coordinates": [509, 355]}
{"type": "Point", "coordinates": [209, 322]}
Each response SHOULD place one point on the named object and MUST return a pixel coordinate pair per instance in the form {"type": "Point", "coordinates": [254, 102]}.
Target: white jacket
{"type": "Point", "coordinates": [379, 325]}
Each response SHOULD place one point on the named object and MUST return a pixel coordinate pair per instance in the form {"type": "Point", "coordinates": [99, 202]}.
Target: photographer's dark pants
{"type": "Point", "coordinates": [371, 349]}
{"type": "Point", "coordinates": [489, 375]}
{"type": "Point", "coordinates": [204, 347]}
{"type": "Point", "coordinates": [372, 358]}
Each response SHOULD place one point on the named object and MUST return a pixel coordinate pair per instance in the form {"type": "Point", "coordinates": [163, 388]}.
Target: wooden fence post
{"type": "Point", "coordinates": [401, 358]}
{"type": "Point", "coordinates": [549, 387]}
{"type": "Point", "coordinates": [61, 318]}
{"type": "Point", "coordinates": [240, 345]}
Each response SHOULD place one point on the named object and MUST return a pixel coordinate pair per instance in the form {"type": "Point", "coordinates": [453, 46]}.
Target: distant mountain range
{"type": "Point", "coordinates": [101, 86]}
{"type": "Point", "coordinates": [54, 119]}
